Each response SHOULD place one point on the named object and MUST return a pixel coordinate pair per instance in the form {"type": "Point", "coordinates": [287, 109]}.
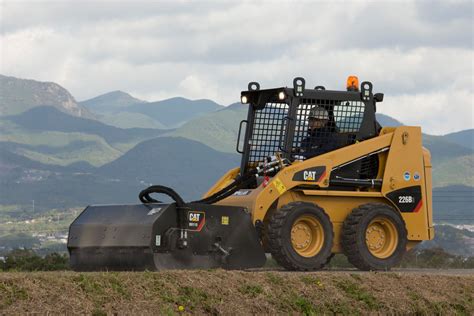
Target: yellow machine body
{"type": "Point", "coordinates": [403, 164]}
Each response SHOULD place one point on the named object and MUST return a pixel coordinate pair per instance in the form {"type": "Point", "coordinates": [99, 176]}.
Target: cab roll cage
{"type": "Point", "coordinates": [276, 118]}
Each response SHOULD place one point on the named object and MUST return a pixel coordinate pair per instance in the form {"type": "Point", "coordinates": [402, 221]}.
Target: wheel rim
{"type": "Point", "coordinates": [307, 236]}
{"type": "Point", "coordinates": [381, 237]}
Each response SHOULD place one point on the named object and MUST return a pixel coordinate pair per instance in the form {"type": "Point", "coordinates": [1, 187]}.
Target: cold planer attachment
{"type": "Point", "coordinates": [146, 237]}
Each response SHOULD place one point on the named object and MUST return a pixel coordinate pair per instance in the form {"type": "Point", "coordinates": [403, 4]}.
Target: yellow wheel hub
{"type": "Point", "coordinates": [381, 237]}
{"type": "Point", "coordinates": [307, 236]}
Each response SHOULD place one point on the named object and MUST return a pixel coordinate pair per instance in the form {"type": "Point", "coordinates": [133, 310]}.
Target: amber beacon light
{"type": "Point", "coordinates": [352, 83]}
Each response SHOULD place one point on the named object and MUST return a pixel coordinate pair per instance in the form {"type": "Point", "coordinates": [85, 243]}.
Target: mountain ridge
{"type": "Point", "coordinates": [19, 95]}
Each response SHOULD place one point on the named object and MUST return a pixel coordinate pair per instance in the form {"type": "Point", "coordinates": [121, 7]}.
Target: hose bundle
{"type": "Point", "coordinates": [269, 165]}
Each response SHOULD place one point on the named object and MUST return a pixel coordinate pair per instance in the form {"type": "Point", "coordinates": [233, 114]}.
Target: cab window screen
{"type": "Point", "coordinates": [269, 129]}
{"type": "Point", "coordinates": [348, 116]}
{"type": "Point", "coordinates": [344, 119]}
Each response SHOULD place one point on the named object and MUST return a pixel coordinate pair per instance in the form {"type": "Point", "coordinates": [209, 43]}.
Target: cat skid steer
{"type": "Point", "coordinates": [318, 176]}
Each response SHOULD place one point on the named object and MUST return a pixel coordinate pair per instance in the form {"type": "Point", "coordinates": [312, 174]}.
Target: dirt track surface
{"type": "Point", "coordinates": [239, 292]}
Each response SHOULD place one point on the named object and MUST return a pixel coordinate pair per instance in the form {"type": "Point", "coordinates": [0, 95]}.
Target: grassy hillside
{"type": "Point", "coordinates": [49, 136]}
{"type": "Point", "coordinates": [130, 120]}
{"type": "Point", "coordinates": [50, 119]}
{"type": "Point", "coordinates": [464, 138]}
{"type": "Point", "coordinates": [453, 240]}
{"type": "Point", "coordinates": [175, 111]}
{"type": "Point", "coordinates": [233, 292]}
{"type": "Point", "coordinates": [109, 109]}
{"type": "Point", "coordinates": [188, 166]}
{"type": "Point", "coordinates": [159, 161]}
{"type": "Point", "coordinates": [217, 130]}
{"type": "Point", "coordinates": [459, 170]}
{"type": "Point", "coordinates": [61, 148]}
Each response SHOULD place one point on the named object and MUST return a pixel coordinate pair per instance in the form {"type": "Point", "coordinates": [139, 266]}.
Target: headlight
{"type": "Point", "coordinates": [244, 99]}
{"type": "Point", "coordinates": [281, 95]}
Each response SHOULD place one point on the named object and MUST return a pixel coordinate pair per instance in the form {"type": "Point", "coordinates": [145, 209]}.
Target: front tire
{"type": "Point", "coordinates": [374, 237]}
{"type": "Point", "coordinates": [300, 236]}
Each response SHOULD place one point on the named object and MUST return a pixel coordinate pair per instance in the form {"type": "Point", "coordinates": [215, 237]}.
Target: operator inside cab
{"type": "Point", "coordinates": [321, 137]}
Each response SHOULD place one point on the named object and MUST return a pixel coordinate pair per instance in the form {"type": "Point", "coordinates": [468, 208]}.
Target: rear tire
{"type": "Point", "coordinates": [374, 237]}
{"type": "Point", "coordinates": [300, 236]}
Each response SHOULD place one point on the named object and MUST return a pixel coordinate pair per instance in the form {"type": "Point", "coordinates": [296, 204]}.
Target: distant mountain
{"type": "Point", "coordinates": [159, 161]}
{"type": "Point", "coordinates": [442, 148]}
{"type": "Point", "coordinates": [50, 119]}
{"type": "Point", "coordinates": [464, 138]}
{"type": "Point", "coordinates": [217, 130]}
{"type": "Point", "coordinates": [386, 120]}
{"type": "Point", "coordinates": [130, 120]}
{"type": "Point", "coordinates": [458, 170]}
{"type": "Point", "coordinates": [185, 165]}
{"type": "Point", "coordinates": [19, 95]}
{"type": "Point", "coordinates": [109, 110]}
{"type": "Point", "coordinates": [454, 240]}
{"type": "Point", "coordinates": [23, 180]}
{"type": "Point", "coordinates": [80, 152]}
{"type": "Point", "coordinates": [453, 204]}
{"type": "Point", "coordinates": [110, 102]}
{"type": "Point", "coordinates": [176, 111]}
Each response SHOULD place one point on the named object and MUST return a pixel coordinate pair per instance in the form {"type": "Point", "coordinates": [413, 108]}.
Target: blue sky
{"type": "Point", "coordinates": [419, 53]}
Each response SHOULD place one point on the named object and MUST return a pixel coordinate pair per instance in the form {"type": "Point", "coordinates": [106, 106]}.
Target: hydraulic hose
{"type": "Point", "coordinates": [145, 197]}
{"type": "Point", "coordinates": [241, 181]}
{"type": "Point", "coordinates": [182, 207]}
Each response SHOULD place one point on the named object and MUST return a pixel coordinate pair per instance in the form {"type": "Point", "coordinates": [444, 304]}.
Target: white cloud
{"type": "Point", "coordinates": [419, 51]}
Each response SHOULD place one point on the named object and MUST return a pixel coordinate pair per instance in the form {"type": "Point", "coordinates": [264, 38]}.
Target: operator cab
{"type": "Point", "coordinates": [280, 121]}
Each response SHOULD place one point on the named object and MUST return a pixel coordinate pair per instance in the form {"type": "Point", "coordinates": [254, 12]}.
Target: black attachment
{"type": "Point", "coordinates": [145, 237]}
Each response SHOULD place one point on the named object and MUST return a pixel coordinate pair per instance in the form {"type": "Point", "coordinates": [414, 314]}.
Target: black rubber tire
{"type": "Point", "coordinates": [279, 237]}
{"type": "Point", "coordinates": [353, 237]}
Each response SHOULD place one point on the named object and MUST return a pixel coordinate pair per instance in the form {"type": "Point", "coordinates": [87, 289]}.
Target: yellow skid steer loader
{"type": "Point", "coordinates": [318, 176]}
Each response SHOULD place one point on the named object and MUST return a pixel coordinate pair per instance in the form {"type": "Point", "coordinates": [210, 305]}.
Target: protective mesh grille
{"type": "Point", "coordinates": [268, 131]}
{"type": "Point", "coordinates": [344, 119]}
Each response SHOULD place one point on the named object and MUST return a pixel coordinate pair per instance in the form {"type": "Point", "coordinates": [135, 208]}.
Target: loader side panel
{"type": "Point", "coordinates": [404, 183]}
{"type": "Point", "coordinates": [428, 190]}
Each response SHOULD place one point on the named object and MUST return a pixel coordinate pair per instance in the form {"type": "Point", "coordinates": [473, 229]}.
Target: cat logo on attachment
{"type": "Point", "coordinates": [196, 220]}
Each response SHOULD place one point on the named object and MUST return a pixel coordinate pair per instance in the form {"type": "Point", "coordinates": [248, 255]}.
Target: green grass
{"type": "Point", "coordinates": [89, 285]}
{"type": "Point", "coordinates": [117, 286]}
{"type": "Point", "coordinates": [356, 292]}
{"type": "Point", "coordinates": [311, 280]}
{"type": "Point", "coordinates": [252, 290]}
{"type": "Point", "coordinates": [191, 298]}
{"type": "Point", "coordinates": [275, 278]}
{"type": "Point", "coordinates": [304, 306]}
{"type": "Point", "coordinates": [10, 293]}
